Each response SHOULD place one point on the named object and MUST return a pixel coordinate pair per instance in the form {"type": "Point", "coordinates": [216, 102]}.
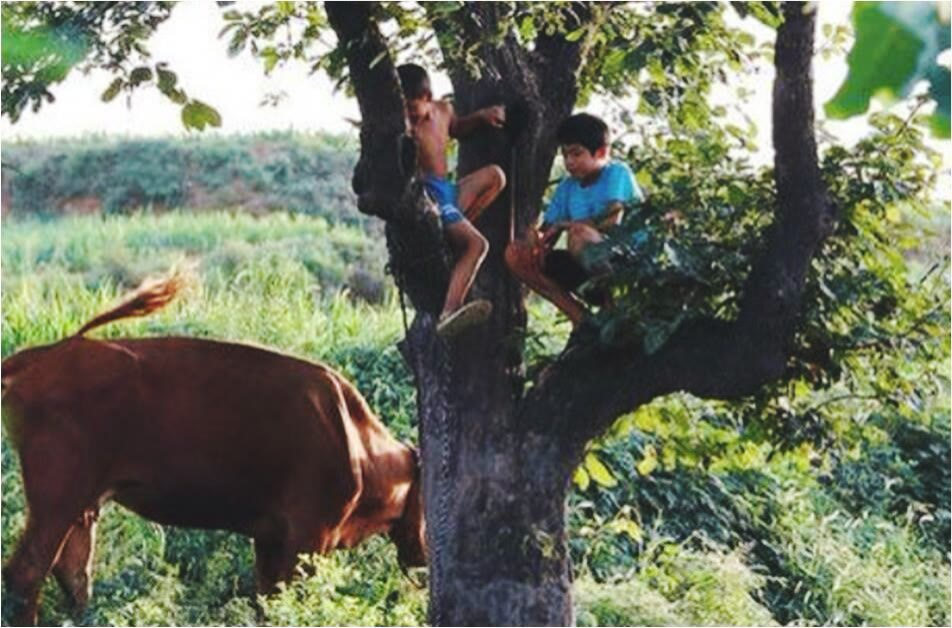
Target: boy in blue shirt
{"type": "Point", "coordinates": [586, 203]}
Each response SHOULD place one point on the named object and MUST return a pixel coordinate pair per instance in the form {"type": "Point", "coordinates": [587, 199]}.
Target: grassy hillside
{"type": "Point", "coordinates": [301, 173]}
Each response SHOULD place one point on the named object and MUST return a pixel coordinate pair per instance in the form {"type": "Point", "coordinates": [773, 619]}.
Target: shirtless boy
{"type": "Point", "coordinates": [433, 123]}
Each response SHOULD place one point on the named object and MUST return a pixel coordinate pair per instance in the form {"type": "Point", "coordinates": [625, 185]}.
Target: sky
{"type": "Point", "coordinates": [236, 86]}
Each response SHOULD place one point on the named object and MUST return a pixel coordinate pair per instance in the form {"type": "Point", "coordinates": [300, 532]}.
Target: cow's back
{"type": "Point", "coordinates": [206, 434]}
{"type": "Point", "coordinates": [245, 432]}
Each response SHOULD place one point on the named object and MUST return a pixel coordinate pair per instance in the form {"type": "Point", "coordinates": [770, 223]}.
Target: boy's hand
{"type": "Point", "coordinates": [494, 116]}
{"type": "Point", "coordinates": [551, 234]}
{"type": "Point", "coordinates": [532, 236]}
{"type": "Point", "coordinates": [535, 239]}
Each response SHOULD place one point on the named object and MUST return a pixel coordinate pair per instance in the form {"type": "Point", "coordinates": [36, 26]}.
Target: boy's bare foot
{"type": "Point", "coordinates": [469, 314]}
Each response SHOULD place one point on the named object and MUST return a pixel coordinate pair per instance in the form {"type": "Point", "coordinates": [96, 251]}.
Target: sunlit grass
{"type": "Point", "coordinates": [287, 282]}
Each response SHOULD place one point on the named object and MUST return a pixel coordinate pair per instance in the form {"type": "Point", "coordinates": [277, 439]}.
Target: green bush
{"type": "Point", "coordinates": [678, 586]}
{"type": "Point", "coordinates": [301, 173]}
{"type": "Point", "coordinates": [359, 588]}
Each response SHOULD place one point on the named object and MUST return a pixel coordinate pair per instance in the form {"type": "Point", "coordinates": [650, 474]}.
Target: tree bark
{"type": "Point", "coordinates": [497, 463]}
{"type": "Point", "coordinates": [507, 560]}
{"type": "Point", "coordinates": [496, 556]}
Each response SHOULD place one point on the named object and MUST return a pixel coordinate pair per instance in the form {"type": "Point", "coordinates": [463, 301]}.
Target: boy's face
{"type": "Point", "coordinates": [417, 110]}
{"type": "Point", "coordinates": [580, 162]}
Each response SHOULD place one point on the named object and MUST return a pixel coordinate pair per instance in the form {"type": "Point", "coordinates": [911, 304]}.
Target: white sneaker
{"type": "Point", "coordinates": [468, 315]}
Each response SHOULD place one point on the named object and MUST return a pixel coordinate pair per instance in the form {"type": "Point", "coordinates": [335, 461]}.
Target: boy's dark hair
{"type": "Point", "coordinates": [414, 81]}
{"type": "Point", "coordinates": [585, 129]}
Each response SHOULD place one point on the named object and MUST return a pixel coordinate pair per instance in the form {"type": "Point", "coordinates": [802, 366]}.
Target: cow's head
{"type": "Point", "coordinates": [409, 531]}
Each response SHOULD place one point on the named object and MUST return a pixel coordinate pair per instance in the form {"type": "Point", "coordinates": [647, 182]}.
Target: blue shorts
{"type": "Point", "coordinates": [443, 193]}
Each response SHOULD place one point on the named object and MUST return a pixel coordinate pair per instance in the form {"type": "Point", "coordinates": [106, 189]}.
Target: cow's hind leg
{"type": "Point", "coordinates": [24, 574]}
{"type": "Point", "coordinates": [74, 567]}
{"type": "Point", "coordinates": [57, 491]}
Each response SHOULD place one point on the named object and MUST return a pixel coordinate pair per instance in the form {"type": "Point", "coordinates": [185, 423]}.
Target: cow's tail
{"type": "Point", "coordinates": [152, 295]}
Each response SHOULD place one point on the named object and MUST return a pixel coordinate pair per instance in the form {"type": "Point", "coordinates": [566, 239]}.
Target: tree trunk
{"type": "Point", "coordinates": [494, 492]}
{"type": "Point", "coordinates": [497, 463]}
{"type": "Point", "coordinates": [496, 498]}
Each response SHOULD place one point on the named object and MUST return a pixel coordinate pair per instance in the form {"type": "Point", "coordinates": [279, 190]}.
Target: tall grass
{"type": "Point", "coordinates": [279, 280]}
{"type": "Point", "coordinates": [760, 543]}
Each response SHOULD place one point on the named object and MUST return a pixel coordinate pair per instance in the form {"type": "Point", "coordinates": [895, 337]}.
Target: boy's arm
{"type": "Point", "coordinates": [549, 233]}
{"type": "Point", "coordinates": [621, 188]}
{"type": "Point", "coordinates": [555, 219]}
{"type": "Point", "coordinates": [461, 126]}
{"type": "Point", "coordinates": [611, 217]}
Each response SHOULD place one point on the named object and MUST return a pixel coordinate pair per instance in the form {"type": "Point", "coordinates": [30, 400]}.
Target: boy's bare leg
{"type": "Point", "coordinates": [582, 235]}
{"type": "Point", "coordinates": [471, 248]}
{"type": "Point", "coordinates": [480, 188]}
{"type": "Point", "coordinates": [523, 262]}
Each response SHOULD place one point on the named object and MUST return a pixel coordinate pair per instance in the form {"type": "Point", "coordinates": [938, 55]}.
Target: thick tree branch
{"type": "Point", "coordinates": [590, 387]}
{"type": "Point", "coordinates": [557, 59]}
{"type": "Point", "coordinates": [544, 77]}
{"type": "Point", "coordinates": [385, 175]}
{"type": "Point", "coordinates": [383, 133]}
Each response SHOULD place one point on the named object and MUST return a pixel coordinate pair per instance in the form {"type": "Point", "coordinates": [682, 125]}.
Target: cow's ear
{"type": "Point", "coordinates": [408, 155]}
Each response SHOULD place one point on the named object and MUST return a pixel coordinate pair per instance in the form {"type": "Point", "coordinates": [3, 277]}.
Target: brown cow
{"type": "Point", "coordinates": [200, 434]}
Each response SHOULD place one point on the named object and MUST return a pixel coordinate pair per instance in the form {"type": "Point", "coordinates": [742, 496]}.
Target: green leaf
{"type": "Point", "coordinates": [575, 35]}
{"type": "Point", "coordinates": [270, 57]}
{"type": "Point", "coordinates": [737, 192]}
{"type": "Point", "coordinates": [765, 12]}
{"type": "Point", "coordinates": [643, 177]}
{"type": "Point", "coordinates": [627, 526]}
{"type": "Point", "coordinates": [599, 472]}
{"type": "Point", "coordinates": [140, 75]}
{"type": "Point", "coordinates": [581, 478]}
{"type": "Point", "coordinates": [197, 115]}
{"type": "Point", "coordinates": [892, 214]}
{"type": "Point", "coordinates": [237, 43]}
{"type": "Point", "coordinates": [649, 463]}
{"type": "Point", "coordinates": [112, 91]}
{"type": "Point", "coordinates": [896, 46]}
{"type": "Point", "coordinates": [614, 61]}
{"type": "Point", "coordinates": [167, 85]}
{"type": "Point", "coordinates": [167, 78]}
{"type": "Point", "coordinates": [527, 29]}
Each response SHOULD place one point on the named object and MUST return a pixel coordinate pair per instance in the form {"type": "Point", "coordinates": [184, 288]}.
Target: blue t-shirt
{"type": "Point", "coordinates": [571, 201]}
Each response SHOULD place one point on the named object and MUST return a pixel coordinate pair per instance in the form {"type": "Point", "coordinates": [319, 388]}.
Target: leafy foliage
{"type": "Point", "coordinates": [897, 45]}
{"type": "Point", "coordinates": [44, 41]}
{"type": "Point", "coordinates": [686, 253]}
